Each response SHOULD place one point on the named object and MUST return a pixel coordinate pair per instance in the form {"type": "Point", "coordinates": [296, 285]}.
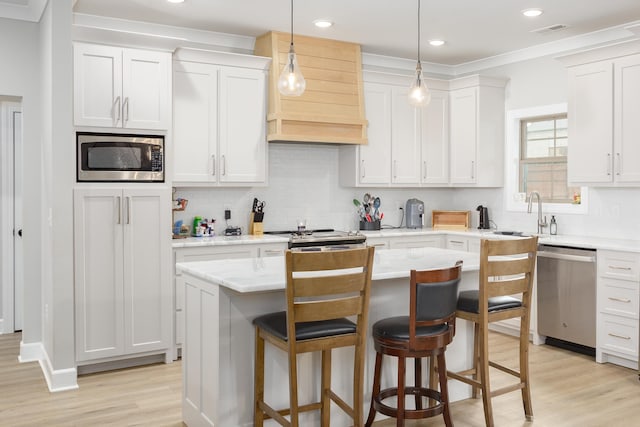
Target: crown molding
{"type": "Point", "coordinates": [28, 10]}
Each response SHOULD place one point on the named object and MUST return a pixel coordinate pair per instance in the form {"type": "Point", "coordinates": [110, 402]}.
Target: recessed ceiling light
{"type": "Point", "coordinates": [436, 42]}
{"type": "Point", "coordinates": [323, 23]}
{"type": "Point", "coordinates": [532, 13]}
{"type": "Point", "coordinates": [175, 1]}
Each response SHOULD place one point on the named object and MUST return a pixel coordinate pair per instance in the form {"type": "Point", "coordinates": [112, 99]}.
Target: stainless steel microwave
{"type": "Point", "coordinates": [107, 157]}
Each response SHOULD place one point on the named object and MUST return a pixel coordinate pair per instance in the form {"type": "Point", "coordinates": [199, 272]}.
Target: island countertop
{"type": "Point", "coordinates": [268, 274]}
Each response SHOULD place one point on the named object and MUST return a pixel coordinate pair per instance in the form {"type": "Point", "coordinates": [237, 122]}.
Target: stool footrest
{"type": "Point", "coordinates": [412, 414]}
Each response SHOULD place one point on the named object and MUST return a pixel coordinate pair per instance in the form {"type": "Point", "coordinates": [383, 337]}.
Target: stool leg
{"type": "Point", "coordinates": [326, 386]}
{"type": "Point", "coordinates": [358, 384]}
{"type": "Point", "coordinates": [444, 389]}
{"type": "Point", "coordinates": [484, 376]}
{"type": "Point", "coordinates": [258, 381]}
{"type": "Point", "coordinates": [417, 367]}
{"type": "Point", "coordinates": [524, 371]}
{"type": "Point", "coordinates": [401, 384]}
{"type": "Point", "coordinates": [293, 386]}
{"type": "Point", "coordinates": [476, 358]}
{"type": "Point", "coordinates": [377, 373]}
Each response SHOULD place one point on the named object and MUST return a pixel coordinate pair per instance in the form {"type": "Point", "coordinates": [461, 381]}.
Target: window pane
{"type": "Point", "coordinates": [540, 148]}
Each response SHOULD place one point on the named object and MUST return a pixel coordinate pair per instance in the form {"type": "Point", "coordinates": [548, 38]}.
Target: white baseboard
{"type": "Point", "coordinates": [57, 380]}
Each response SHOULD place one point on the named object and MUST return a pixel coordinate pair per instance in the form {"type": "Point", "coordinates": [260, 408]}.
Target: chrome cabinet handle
{"type": "Point", "coordinates": [377, 245]}
{"type": "Point", "coordinates": [473, 169]}
{"type": "Point", "coordinates": [224, 165]}
{"type": "Point", "coordinates": [126, 104]}
{"type": "Point", "coordinates": [608, 163]}
{"type": "Point", "coordinates": [362, 167]}
{"type": "Point", "coordinates": [619, 336]}
{"type": "Point", "coordinates": [119, 211]}
{"type": "Point", "coordinates": [620, 299]}
{"type": "Point", "coordinates": [213, 164]}
{"type": "Point", "coordinates": [128, 210]}
{"type": "Point", "coordinates": [614, 267]}
{"type": "Point", "coordinates": [424, 169]}
{"type": "Point", "coordinates": [395, 168]}
{"type": "Point", "coordinates": [118, 110]}
{"type": "Point", "coordinates": [618, 166]}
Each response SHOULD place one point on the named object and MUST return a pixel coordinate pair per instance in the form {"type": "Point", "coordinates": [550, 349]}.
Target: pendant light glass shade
{"type": "Point", "coordinates": [291, 81]}
{"type": "Point", "coordinates": [419, 93]}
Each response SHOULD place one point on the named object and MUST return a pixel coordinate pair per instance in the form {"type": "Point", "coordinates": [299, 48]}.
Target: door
{"type": "Point", "coordinates": [405, 139]}
{"type": "Point", "coordinates": [97, 84]}
{"type": "Point", "coordinates": [195, 122]}
{"type": "Point", "coordinates": [145, 89]}
{"type": "Point", "coordinates": [434, 130]}
{"type": "Point", "coordinates": [627, 125]}
{"type": "Point", "coordinates": [18, 254]}
{"type": "Point", "coordinates": [374, 158]}
{"type": "Point", "coordinates": [98, 237]}
{"type": "Point", "coordinates": [242, 112]}
{"type": "Point", "coordinates": [590, 114]}
{"type": "Point", "coordinates": [464, 135]}
{"type": "Point", "coordinates": [147, 269]}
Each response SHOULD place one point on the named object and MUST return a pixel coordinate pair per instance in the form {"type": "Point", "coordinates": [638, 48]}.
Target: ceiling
{"type": "Point", "coordinates": [473, 29]}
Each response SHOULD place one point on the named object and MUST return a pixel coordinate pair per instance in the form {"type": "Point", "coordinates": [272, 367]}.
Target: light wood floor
{"type": "Point", "coordinates": [568, 390]}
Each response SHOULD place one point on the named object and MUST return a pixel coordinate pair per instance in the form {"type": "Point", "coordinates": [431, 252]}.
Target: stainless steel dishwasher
{"type": "Point", "coordinates": [566, 288]}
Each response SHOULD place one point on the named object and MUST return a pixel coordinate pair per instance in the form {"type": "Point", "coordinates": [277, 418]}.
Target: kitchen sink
{"type": "Point", "coordinates": [509, 233]}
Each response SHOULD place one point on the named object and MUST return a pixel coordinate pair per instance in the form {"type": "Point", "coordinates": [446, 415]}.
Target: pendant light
{"type": "Point", "coordinates": [419, 94]}
{"type": "Point", "coordinates": [291, 81]}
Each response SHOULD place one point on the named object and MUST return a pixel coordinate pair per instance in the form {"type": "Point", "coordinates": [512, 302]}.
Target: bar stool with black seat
{"type": "Point", "coordinates": [426, 332]}
{"type": "Point", "coordinates": [506, 273]}
{"type": "Point", "coordinates": [322, 289]}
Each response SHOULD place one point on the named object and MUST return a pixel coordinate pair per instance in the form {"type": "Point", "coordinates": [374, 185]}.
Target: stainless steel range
{"type": "Point", "coordinates": [322, 238]}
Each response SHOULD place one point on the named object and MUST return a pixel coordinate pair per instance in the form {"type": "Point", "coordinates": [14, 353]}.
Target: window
{"type": "Point", "coordinates": [543, 159]}
{"type": "Point", "coordinates": [536, 160]}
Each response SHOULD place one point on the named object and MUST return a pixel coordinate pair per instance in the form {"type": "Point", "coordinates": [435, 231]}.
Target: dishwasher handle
{"type": "Point", "coordinates": [566, 257]}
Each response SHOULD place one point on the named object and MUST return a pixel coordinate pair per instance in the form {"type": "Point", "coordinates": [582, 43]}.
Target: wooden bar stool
{"type": "Point", "coordinates": [506, 270]}
{"type": "Point", "coordinates": [426, 332]}
{"type": "Point", "coordinates": [323, 288]}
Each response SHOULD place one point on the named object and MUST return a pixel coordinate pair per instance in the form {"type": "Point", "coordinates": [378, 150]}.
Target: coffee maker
{"type": "Point", "coordinates": [414, 211]}
{"type": "Point", "coordinates": [484, 217]}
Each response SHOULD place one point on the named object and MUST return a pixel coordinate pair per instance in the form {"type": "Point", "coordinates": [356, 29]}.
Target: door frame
{"type": "Point", "coordinates": [7, 210]}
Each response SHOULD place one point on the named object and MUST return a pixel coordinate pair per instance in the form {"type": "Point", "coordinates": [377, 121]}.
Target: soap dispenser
{"type": "Point", "coordinates": [553, 225]}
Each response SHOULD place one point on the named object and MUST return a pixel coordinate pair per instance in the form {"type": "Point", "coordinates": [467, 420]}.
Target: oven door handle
{"type": "Point", "coordinates": [566, 257]}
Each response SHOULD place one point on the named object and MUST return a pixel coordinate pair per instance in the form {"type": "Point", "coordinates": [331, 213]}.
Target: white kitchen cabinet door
{"type": "Point", "coordinates": [123, 88]}
{"type": "Point", "coordinates": [97, 83]}
{"type": "Point", "coordinates": [464, 135]}
{"type": "Point", "coordinates": [590, 117]}
{"type": "Point", "coordinates": [242, 113]}
{"type": "Point", "coordinates": [195, 122]}
{"type": "Point", "coordinates": [434, 129]}
{"type": "Point", "coordinates": [123, 292]}
{"type": "Point", "coordinates": [374, 158]}
{"type": "Point", "coordinates": [405, 139]}
{"type": "Point", "coordinates": [627, 119]}
{"type": "Point", "coordinates": [148, 296]}
{"type": "Point", "coordinates": [98, 240]}
{"type": "Point", "coordinates": [146, 88]}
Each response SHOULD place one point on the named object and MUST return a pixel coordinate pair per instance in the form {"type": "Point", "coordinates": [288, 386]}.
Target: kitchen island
{"type": "Point", "coordinates": [223, 297]}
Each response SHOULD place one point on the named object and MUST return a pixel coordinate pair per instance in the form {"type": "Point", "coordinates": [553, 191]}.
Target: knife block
{"type": "Point", "coordinates": [255, 224]}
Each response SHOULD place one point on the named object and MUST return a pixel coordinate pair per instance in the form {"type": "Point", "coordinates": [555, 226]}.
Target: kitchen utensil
{"type": "Point", "coordinates": [260, 207]}
{"type": "Point", "coordinates": [376, 205]}
{"type": "Point", "coordinates": [367, 198]}
{"type": "Point", "coordinates": [255, 204]}
{"type": "Point", "coordinates": [357, 202]}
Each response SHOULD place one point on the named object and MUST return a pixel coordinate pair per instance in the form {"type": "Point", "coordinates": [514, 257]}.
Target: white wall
{"type": "Point", "coordinates": [20, 77]}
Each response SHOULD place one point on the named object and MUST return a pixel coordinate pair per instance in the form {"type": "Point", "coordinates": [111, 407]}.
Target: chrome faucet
{"type": "Point", "coordinates": [541, 223]}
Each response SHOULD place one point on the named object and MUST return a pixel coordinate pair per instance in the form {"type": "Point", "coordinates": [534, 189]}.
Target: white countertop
{"type": "Point", "coordinates": [626, 245]}
{"type": "Point", "coordinates": [267, 274]}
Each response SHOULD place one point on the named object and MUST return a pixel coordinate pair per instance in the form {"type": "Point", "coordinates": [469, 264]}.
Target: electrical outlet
{"type": "Point", "coordinates": [400, 205]}
{"type": "Point", "coordinates": [227, 214]}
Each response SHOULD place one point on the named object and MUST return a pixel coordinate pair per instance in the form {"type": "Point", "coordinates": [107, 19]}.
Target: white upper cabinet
{"type": "Point", "coordinates": [603, 116]}
{"type": "Point", "coordinates": [477, 131]}
{"type": "Point", "coordinates": [120, 87]}
{"type": "Point", "coordinates": [407, 146]}
{"type": "Point", "coordinates": [219, 119]}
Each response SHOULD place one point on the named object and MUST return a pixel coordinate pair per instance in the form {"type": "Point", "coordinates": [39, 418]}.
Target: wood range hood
{"type": "Point", "coordinates": [331, 110]}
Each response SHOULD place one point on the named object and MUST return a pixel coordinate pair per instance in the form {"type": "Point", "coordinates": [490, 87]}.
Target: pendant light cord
{"type": "Point", "coordinates": [418, 31]}
{"type": "Point", "coordinates": [291, 23]}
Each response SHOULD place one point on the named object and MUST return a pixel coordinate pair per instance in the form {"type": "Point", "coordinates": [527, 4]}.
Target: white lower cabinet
{"type": "Point", "coordinates": [123, 290]}
{"type": "Point", "coordinates": [425, 241]}
{"type": "Point", "coordinates": [211, 253]}
{"type": "Point", "coordinates": [617, 308]}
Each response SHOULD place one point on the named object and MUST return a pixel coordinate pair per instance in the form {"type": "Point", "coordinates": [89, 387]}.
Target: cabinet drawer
{"type": "Point", "coordinates": [458, 244]}
{"type": "Point", "coordinates": [619, 335]}
{"type": "Point", "coordinates": [619, 265]}
{"type": "Point", "coordinates": [271, 250]}
{"type": "Point", "coordinates": [618, 297]}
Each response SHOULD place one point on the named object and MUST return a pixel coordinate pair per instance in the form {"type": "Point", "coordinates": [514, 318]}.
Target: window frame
{"type": "Point", "coordinates": [515, 201]}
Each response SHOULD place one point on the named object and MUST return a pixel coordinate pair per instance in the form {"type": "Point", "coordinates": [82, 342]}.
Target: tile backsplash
{"type": "Point", "coordinates": [303, 184]}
